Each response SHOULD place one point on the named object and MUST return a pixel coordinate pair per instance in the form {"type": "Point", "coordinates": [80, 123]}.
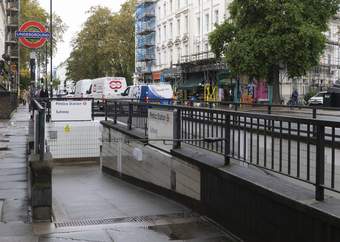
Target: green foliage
{"type": "Point", "coordinates": [105, 46]}
{"type": "Point", "coordinates": [262, 37]}
{"type": "Point", "coordinates": [55, 83]}
{"type": "Point", "coordinates": [309, 95]}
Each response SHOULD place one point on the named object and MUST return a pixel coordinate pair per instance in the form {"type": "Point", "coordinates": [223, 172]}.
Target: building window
{"type": "Point", "coordinates": [164, 58]}
{"type": "Point", "coordinates": [164, 6]}
{"type": "Point", "coordinates": [198, 26]}
{"type": "Point", "coordinates": [216, 17]}
{"type": "Point", "coordinates": [206, 23]}
{"type": "Point", "coordinates": [159, 35]}
{"type": "Point", "coordinates": [171, 33]}
{"type": "Point", "coordinates": [178, 27]}
{"type": "Point", "coordinates": [170, 3]}
{"type": "Point", "coordinates": [178, 4]}
{"type": "Point", "coordinates": [186, 26]}
{"type": "Point", "coordinates": [171, 55]}
{"type": "Point", "coordinates": [164, 34]}
{"type": "Point", "coordinates": [178, 55]}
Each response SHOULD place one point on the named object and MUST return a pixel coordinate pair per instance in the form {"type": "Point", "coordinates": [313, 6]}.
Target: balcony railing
{"type": "Point", "coordinates": [198, 57]}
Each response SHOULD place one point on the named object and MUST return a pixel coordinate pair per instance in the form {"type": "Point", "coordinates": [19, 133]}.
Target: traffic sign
{"type": "Point", "coordinates": [33, 34]}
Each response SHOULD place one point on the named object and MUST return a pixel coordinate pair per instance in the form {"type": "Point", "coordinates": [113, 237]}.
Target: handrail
{"type": "Point", "coordinates": [279, 140]}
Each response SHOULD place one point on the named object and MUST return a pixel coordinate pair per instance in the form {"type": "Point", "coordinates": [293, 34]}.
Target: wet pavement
{"type": "Point", "coordinates": [14, 210]}
{"type": "Point", "coordinates": [88, 205]}
{"type": "Point", "coordinates": [91, 206]}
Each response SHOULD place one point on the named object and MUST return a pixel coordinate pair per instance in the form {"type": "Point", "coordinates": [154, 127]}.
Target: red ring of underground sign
{"type": "Point", "coordinates": [27, 43]}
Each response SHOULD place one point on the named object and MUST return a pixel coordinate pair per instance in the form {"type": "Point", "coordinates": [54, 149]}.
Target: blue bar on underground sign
{"type": "Point", "coordinates": [32, 35]}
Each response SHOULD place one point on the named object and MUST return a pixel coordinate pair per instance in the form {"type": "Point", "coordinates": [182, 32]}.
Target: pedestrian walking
{"type": "Point", "coordinates": [24, 97]}
{"type": "Point", "coordinates": [295, 97]}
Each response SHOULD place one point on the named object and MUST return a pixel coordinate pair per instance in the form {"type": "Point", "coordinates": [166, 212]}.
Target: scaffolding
{"type": "Point", "coordinates": [145, 38]}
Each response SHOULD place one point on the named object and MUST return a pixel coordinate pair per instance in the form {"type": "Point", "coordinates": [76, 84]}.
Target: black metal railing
{"type": "Point", "coordinates": [306, 149]}
{"type": "Point", "coordinates": [311, 111]}
{"type": "Point", "coordinates": [39, 116]}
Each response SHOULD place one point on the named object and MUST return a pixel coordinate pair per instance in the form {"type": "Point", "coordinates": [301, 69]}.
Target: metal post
{"type": "Point", "coordinates": [269, 109]}
{"type": "Point", "coordinates": [320, 163]}
{"type": "Point", "coordinates": [115, 114]}
{"type": "Point", "coordinates": [314, 126]}
{"type": "Point", "coordinates": [177, 130]}
{"type": "Point", "coordinates": [227, 140]}
{"type": "Point", "coordinates": [130, 116]}
{"type": "Point", "coordinates": [47, 106]}
{"type": "Point", "coordinates": [51, 45]}
{"type": "Point", "coordinates": [106, 111]}
{"type": "Point", "coordinates": [92, 109]}
{"type": "Point", "coordinates": [41, 134]}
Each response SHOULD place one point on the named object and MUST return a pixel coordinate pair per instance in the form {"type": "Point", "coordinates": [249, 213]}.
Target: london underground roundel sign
{"type": "Point", "coordinates": [32, 34]}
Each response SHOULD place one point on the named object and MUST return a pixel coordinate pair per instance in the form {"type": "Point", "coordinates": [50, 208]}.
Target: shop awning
{"type": "Point", "coordinates": [189, 84]}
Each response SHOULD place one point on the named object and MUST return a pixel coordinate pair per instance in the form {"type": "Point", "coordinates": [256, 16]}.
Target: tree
{"type": "Point", "coordinates": [31, 10]}
{"type": "Point", "coordinates": [262, 37]}
{"type": "Point", "coordinates": [105, 45]}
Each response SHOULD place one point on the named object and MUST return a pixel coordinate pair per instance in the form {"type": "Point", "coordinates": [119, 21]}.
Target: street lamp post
{"type": "Point", "coordinates": [51, 47]}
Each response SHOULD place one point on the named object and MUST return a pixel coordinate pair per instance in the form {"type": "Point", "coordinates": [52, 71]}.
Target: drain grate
{"type": "Point", "coordinates": [138, 219]}
{"type": "Point", "coordinates": [3, 148]}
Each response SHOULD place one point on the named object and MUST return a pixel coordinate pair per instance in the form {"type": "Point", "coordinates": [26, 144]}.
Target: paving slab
{"type": "Point", "coordinates": [13, 179]}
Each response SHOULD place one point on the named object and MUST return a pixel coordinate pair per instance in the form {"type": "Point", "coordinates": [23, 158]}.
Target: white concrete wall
{"type": "Point", "coordinates": [155, 167]}
{"type": "Point", "coordinates": [182, 28]}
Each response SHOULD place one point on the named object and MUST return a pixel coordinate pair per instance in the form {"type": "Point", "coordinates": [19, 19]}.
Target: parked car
{"type": "Point", "coordinates": [318, 99]}
{"type": "Point", "coordinates": [82, 88]}
{"type": "Point", "coordinates": [161, 93]}
{"type": "Point", "coordinates": [107, 88]}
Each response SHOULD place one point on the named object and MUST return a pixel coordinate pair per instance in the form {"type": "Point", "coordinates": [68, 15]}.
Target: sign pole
{"type": "Point", "coordinates": [51, 47]}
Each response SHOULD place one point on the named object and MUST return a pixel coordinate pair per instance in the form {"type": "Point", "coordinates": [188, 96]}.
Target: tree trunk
{"type": "Point", "coordinates": [274, 79]}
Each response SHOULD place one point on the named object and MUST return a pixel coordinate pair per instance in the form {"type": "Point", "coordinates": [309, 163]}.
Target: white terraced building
{"type": "Point", "coordinates": [181, 53]}
{"type": "Point", "coordinates": [182, 28]}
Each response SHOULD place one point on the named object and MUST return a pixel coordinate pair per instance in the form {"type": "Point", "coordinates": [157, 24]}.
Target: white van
{"type": "Point", "coordinates": [82, 88]}
{"type": "Point", "coordinates": [108, 87]}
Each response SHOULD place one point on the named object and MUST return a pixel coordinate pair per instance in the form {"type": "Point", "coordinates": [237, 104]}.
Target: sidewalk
{"type": "Point", "coordinates": [14, 214]}
{"type": "Point", "coordinates": [88, 205]}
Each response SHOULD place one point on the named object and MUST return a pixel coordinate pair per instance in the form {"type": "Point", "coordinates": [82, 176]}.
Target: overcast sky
{"type": "Point", "coordinates": [73, 13]}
